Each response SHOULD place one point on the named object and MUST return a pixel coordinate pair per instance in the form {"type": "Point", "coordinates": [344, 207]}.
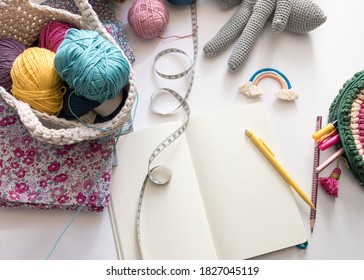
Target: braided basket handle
{"type": "Point", "coordinates": [90, 20]}
{"type": "Point", "coordinates": [89, 16]}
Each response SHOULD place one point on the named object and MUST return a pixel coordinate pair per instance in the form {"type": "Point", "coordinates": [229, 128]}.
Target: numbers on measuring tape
{"type": "Point", "coordinates": [164, 173]}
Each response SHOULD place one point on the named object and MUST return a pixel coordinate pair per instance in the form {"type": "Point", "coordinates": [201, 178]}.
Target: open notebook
{"type": "Point", "coordinates": [224, 201]}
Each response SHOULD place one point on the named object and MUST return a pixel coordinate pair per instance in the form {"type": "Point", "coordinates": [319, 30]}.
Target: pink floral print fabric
{"type": "Point", "coordinates": [39, 175]}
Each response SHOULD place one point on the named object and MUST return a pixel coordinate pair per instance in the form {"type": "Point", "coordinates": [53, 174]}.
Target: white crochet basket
{"type": "Point", "coordinates": [22, 21]}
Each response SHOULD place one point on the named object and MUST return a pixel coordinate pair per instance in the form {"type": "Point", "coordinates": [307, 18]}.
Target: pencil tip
{"type": "Point", "coordinates": [312, 223]}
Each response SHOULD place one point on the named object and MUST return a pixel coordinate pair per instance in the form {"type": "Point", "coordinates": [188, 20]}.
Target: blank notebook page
{"type": "Point", "coordinates": [250, 208]}
{"type": "Point", "coordinates": [173, 219]}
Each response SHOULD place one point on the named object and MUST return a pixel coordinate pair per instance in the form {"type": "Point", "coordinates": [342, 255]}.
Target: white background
{"type": "Point", "coordinates": [317, 64]}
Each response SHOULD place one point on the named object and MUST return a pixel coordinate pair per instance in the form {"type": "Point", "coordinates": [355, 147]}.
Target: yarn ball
{"type": "Point", "coordinates": [91, 65]}
{"type": "Point", "coordinates": [36, 81]}
{"type": "Point", "coordinates": [181, 2]}
{"type": "Point", "coordinates": [52, 35]}
{"type": "Point", "coordinates": [100, 119]}
{"type": "Point", "coordinates": [75, 106]}
{"type": "Point", "coordinates": [9, 51]}
{"type": "Point", "coordinates": [148, 18]}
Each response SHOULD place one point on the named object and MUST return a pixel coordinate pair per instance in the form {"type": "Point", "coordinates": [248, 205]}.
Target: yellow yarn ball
{"type": "Point", "coordinates": [36, 81]}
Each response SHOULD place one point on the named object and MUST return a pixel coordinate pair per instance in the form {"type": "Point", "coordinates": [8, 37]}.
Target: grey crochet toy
{"type": "Point", "coordinates": [298, 16]}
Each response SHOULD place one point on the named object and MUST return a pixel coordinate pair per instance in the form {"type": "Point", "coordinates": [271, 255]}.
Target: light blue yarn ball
{"type": "Point", "coordinates": [91, 65]}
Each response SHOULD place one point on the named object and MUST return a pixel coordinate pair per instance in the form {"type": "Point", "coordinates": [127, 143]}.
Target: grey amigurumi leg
{"type": "Point", "coordinates": [231, 30]}
{"type": "Point", "coordinates": [281, 15]}
{"type": "Point", "coordinates": [226, 4]}
{"type": "Point", "coordinates": [261, 12]}
{"type": "Point", "coordinates": [249, 19]}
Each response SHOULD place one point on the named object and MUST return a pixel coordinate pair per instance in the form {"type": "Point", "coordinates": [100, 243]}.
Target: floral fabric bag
{"type": "Point", "coordinates": [40, 175]}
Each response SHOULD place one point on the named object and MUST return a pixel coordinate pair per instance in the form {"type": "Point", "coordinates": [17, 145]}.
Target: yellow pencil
{"type": "Point", "coordinates": [270, 156]}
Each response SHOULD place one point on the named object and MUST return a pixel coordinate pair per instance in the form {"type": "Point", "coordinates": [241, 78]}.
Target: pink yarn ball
{"type": "Point", "coordinates": [148, 18]}
{"type": "Point", "coordinates": [52, 35]}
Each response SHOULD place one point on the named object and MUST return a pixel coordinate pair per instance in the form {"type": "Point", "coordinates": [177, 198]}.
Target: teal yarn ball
{"type": "Point", "coordinates": [91, 65]}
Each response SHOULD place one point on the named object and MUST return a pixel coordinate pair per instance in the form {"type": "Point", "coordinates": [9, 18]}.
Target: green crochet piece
{"type": "Point", "coordinates": [248, 21]}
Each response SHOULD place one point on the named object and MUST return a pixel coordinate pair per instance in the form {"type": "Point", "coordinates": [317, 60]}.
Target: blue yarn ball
{"type": "Point", "coordinates": [181, 2]}
{"type": "Point", "coordinates": [91, 65]}
{"type": "Point", "coordinates": [75, 106]}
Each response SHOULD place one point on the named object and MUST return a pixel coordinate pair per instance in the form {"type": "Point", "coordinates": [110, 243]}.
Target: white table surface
{"type": "Point", "coordinates": [317, 65]}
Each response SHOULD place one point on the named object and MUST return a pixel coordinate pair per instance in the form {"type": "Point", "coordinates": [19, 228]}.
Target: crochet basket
{"type": "Point", "coordinates": [22, 20]}
{"type": "Point", "coordinates": [348, 109]}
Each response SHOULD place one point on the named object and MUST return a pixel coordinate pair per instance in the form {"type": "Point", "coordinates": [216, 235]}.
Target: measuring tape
{"type": "Point", "coordinates": [316, 159]}
{"type": "Point", "coordinates": [182, 101]}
